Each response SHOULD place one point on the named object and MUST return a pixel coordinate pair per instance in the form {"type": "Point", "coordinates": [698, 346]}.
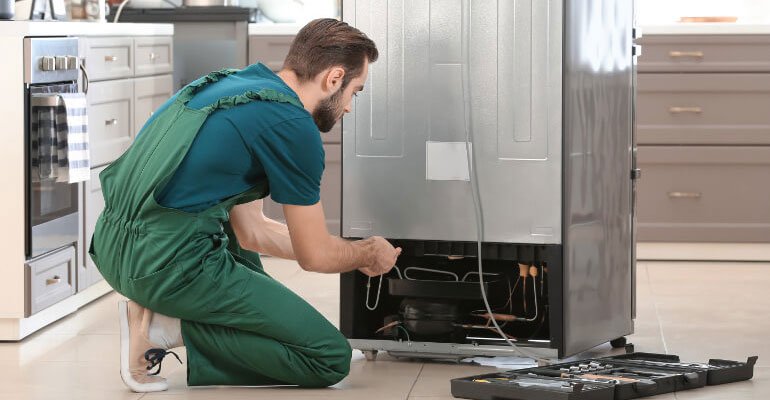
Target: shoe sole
{"type": "Point", "coordinates": [125, 371]}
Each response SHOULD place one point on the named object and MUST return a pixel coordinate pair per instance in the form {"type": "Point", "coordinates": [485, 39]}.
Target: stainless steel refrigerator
{"type": "Point", "coordinates": [540, 95]}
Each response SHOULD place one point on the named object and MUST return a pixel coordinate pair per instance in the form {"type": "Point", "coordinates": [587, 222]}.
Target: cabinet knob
{"type": "Point", "coordinates": [110, 58]}
{"type": "Point", "coordinates": [52, 281]}
{"type": "Point", "coordinates": [109, 122]}
{"type": "Point", "coordinates": [684, 195]}
{"type": "Point", "coordinates": [153, 56]}
{"type": "Point", "coordinates": [685, 54]}
{"type": "Point", "coordinates": [683, 110]}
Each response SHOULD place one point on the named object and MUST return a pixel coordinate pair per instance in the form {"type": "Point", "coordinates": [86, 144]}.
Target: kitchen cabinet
{"type": "Point", "coordinates": [149, 94]}
{"type": "Point", "coordinates": [130, 78]}
{"type": "Point", "coordinates": [271, 51]}
{"type": "Point", "coordinates": [110, 111]}
{"type": "Point", "coordinates": [93, 201]}
{"type": "Point", "coordinates": [49, 279]}
{"type": "Point", "coordinates": [153, 55]}
{"type": "Point", "coordinates": [109, 58]}
{"type": "Point", "coordinates": [703, 134]}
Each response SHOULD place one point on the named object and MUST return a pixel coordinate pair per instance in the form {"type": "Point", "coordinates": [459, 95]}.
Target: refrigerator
{"type": "Point", "coordinates": [508, 123]}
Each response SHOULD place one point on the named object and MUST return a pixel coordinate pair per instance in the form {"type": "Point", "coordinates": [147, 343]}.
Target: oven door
{"type": "Point", "coordinates": [52, 202]}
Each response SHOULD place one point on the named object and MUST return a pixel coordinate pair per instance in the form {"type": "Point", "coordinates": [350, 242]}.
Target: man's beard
{"type": "Point", "coordinates": [328, 111]}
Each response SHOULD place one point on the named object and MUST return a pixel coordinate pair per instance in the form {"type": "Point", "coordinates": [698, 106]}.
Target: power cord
{"type": "Point", "coordinates": [473, 178]}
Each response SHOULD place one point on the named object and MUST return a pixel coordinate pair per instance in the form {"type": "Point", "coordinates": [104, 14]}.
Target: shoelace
{"type": "Point", "coordinates": [155, 357]}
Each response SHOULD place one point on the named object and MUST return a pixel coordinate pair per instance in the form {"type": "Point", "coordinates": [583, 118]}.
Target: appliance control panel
{"type": "Point", "coordinates": [49, 60]}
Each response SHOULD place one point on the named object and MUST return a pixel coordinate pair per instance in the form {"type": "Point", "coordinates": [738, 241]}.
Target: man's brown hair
{"type": "Point", "coordinates": [327, 42]}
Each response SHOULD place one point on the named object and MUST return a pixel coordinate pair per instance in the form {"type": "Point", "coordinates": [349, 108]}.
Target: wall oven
{"type": "Point", "coordinates": [52, 211]}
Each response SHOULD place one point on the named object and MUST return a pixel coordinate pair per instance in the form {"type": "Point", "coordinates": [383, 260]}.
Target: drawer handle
{"type": "Point", "coordinates": [682, 110]}
{"type": "Point", "coordinates": [684, 195]}
{"type": "Point", "coordinates": [113, 121]}
{"type": "Point", "coordinates": [110, 58]}
{"type": "Point", "coordinates": [683, 54]}
{"type": "Point", "coordinates": [52, 281]}
{"type": "Point", "coordinates": [153, 56]}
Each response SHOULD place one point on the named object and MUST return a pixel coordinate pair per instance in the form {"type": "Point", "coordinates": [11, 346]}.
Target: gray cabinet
{"type": "Point", "coordinates": [94, 205]}
{"type": "Point", "coordinates": [706, 109]}
{"type": "Point", "coordinates": [269, 50]}
{"type": "Point", "coordinates": [149, 94]}
{"type": "Point", "coordinates": [110, 116]}
{"type": "Point", "coordinates": [703, 129]}
{"type": "Point", "coordinates": [704, 193]}
{"type": "Point", "coordinates": [705, 53]}
{"type": "Point", "coordinates": [49, 279]}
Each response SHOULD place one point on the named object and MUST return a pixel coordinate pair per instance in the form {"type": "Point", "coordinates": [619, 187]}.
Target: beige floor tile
{"type": "Point", "coordinates": [702, 309]}
{"type": "Point", "coordinates": [386, 378]}
{"type": "Point", "coordinates": [434, 378]}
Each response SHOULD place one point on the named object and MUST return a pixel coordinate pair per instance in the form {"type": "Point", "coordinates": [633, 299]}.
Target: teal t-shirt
{"type": "Point", "coordinates": [237, 147]}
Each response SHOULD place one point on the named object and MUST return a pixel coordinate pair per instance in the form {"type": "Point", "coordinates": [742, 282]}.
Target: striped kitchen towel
{"type": "Point", "coordinates": [44, 147]}
{"type": "Point", "coordinates": [72, 131]}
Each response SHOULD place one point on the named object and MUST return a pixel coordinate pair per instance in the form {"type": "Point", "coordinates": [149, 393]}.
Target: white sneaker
{"type": "Point", "coordinates": [139, 355]}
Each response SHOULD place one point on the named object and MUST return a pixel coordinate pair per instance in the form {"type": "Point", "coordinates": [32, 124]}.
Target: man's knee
{"type": "Point", "coordinates": [334, 363]}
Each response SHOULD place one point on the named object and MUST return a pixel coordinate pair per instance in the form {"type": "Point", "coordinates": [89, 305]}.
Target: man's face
{"type": "Point", "coordinates": [331, 109]}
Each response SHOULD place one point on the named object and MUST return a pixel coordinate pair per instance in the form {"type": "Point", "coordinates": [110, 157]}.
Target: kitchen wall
{"type": "Point", "coordinates": [667, 11]}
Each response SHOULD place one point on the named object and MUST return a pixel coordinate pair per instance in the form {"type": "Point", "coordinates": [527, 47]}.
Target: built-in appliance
{"type": "Point", "coordinates": [52, 211]}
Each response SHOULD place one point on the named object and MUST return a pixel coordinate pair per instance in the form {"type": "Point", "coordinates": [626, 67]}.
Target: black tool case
{"type": "Point", "coordinates": [717, 371]}
{"type": "Point", "coordinates": [623, 377]}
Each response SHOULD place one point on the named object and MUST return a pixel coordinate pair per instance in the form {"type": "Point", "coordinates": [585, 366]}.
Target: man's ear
{"type": "Point", "coordinates": [333, 81]}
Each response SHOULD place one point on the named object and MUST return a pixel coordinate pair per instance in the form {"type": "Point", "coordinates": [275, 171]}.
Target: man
{"type": "Point", "coordinates": [183, 220]}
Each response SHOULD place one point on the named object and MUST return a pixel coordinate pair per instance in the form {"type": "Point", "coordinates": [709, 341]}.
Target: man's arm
{"type": "Point", "coordinates": [318, 251]}
{"type": "Point", "coordinates": [258, 233]}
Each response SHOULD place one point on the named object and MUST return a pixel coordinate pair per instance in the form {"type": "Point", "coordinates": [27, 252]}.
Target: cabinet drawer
{"type": "Point", "coordinates": [110, 113]}
{"type": "Point", "coordinates": [704, 194]}
{"type": "Point", "coordinates": [149, 94]}
{"type": "Point", "coordinates": [50, 279]}
{"type": "Point", "coordinates": [703, 108]}
{"type": "Point", "coordinates": [153, 55]}
{"type": "Point", "coordinates": [704, 53]}
{"type": "Point", "coordinates": [269, 50]}
{"type": "Point", "coordinates": [109, 58]}
{"type": "Point", "coordinates": [93, 207]}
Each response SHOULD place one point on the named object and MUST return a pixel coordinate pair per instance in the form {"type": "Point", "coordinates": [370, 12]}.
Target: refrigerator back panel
{"type": "Point", "coordinates": [493, 66]}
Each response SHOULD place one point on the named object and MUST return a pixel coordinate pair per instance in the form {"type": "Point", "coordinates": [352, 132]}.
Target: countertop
{"type": "Point", "coordinates": [274, 29]}
{"type": "Point", "coordinates": [716, 28]}
{"type": "Point", "coordinates": [64, 28]}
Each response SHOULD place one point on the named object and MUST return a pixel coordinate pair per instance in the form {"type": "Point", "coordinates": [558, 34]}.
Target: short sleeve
{"type": "Point", "coordinates": [292, 156]}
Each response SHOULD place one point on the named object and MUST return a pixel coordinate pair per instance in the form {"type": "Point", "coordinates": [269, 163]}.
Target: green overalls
{"type": "Point", "coordinates": [240, 326]}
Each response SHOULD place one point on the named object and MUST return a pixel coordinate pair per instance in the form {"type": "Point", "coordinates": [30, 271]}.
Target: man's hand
{"type": "Point", "coordinates": [382, 256]}
{"type": "Point", "coordinates": [318, 251]}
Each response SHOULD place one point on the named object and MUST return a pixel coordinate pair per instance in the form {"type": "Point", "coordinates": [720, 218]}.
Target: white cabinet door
{"type": "Point", "coordinates": [109, 58]}
{"type": "Point", "coordinates": [149, 94]}
{"type": "Point", "coordinates": [93, 207]}
{"type": "Point", "coordinates": [153, 55]}
{"type": "Point", "coordinates": [110, 115]}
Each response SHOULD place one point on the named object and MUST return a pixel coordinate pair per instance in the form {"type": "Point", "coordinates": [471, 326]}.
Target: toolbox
{"type": "Point", "coordinates": [627, 376]}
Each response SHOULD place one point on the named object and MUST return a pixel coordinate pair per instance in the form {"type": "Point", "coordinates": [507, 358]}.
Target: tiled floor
{"type": "Point", "coordinates": [697, 310]}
